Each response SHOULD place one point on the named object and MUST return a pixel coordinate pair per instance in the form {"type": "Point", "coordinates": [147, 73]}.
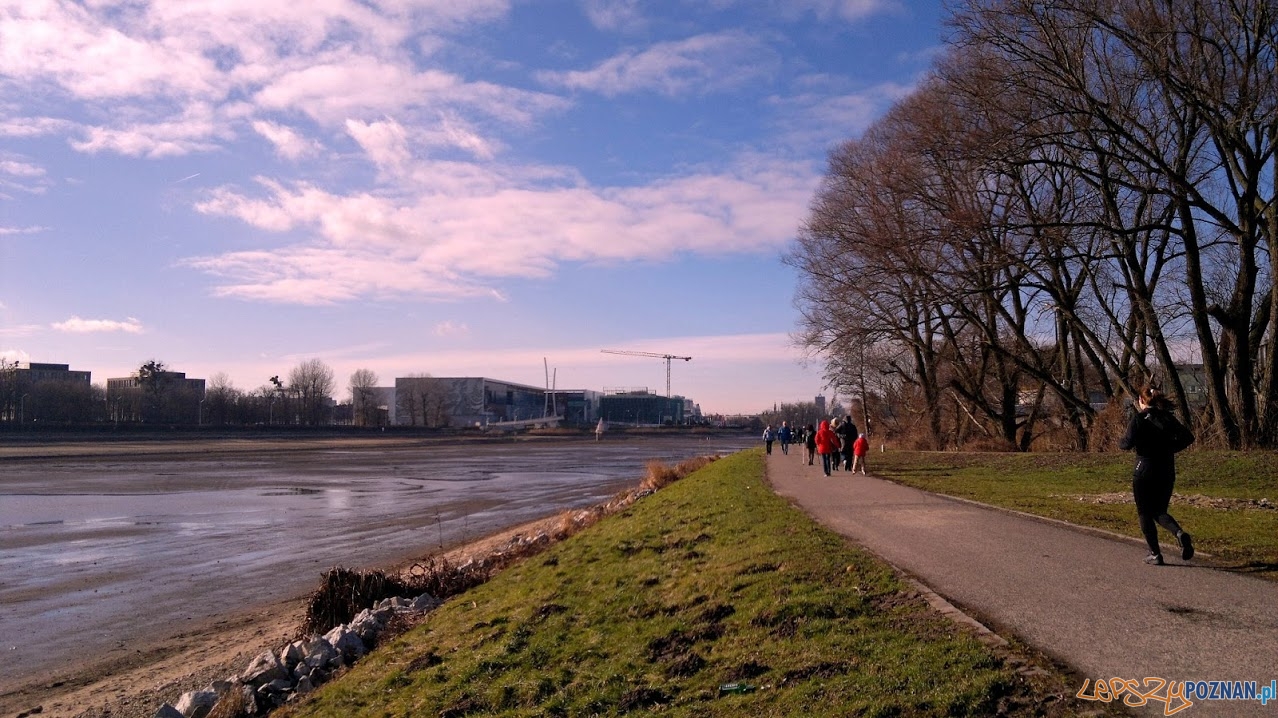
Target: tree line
{"type": "Point", "coordinates": [1078, 200]}
{"type": "Point", "coordinates": [304, 397]}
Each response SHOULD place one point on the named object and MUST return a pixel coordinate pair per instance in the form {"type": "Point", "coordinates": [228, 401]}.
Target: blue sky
{"type": "Point", "coordinates": [430, 186]}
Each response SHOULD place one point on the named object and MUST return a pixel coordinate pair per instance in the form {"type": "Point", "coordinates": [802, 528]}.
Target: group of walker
{"type": "Point", "coordinates": [835, 441]}
{"type": "Point", "coordinates": [1154, 434]}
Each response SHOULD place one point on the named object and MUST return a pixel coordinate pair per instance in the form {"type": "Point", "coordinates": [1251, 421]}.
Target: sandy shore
{"type": "Point", "coordinates": [134, 683]}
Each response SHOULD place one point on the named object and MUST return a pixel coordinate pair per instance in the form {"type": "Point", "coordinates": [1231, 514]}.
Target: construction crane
{"type": "Point", "coordinates": [667, 357]}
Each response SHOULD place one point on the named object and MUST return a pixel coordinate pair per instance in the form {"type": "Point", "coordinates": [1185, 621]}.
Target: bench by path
{"type": "Point", "coordinates": [1078, 595]}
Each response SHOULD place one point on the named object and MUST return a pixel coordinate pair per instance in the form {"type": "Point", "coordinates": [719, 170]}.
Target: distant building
{"type": "Point", "coordinates": [385, 398]}
{"type": "Point", "coordinates": [820, 405]}
{"type": "Point", "coordinates": [578, 407]}
{"type": "Point", "coordinates": [32, 373]}
{"type": "Point", "coordinates": [170, 398]}
{"type": "Point", "coordinates": [1193, 379]}
{"type": "Point", "coordinates": [464, 401]}
{"type": "Point", "coordinates": [40, 392]}
{"type": "Point", "coordinates": [641, 408]}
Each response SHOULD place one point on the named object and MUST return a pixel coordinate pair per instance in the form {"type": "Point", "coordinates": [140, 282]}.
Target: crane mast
{"type": "Point", "coordinates": [667, 357]}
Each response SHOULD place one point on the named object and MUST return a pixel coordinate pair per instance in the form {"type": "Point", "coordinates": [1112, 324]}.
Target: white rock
{"type": "Point", "coordinates": [424, 602]}
{"type": "Point", "coordinates": [196, 704]}
{"type": "Point", "coordinates": [319, 652]}
{"type": "Point", "coordinates": [293, 654]}
{"type": "Point", "coordinates": [264, 669]}
{"type": "Point", "coordinates": [168, 711]}
{"type": "Point", "coordinates": [347, 642]}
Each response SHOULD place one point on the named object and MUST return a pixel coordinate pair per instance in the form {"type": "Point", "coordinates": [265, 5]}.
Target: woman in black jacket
{"type": "Point", "coordinates": [1156, 436]}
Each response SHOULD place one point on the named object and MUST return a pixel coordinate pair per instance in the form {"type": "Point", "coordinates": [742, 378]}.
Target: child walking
{"type": "Point", "coordinates": [860, 448]}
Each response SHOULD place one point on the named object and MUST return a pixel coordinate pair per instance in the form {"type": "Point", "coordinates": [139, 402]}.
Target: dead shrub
{"type": "Point", "coordinates": [232, 704]}
{"type": "Point", "coordinates": [1109, 426]}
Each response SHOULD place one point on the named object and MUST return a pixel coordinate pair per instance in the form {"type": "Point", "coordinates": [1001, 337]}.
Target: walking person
{"type": "Point", "coordinates": [1156, 435]}
{"type": "Point", "coordinates": [860, 448]}
{"type": "Point", "coordinates": [769, 436]}
{"type": "Point", "coordinates": [836, 459]}
{"type": "Point", "coordinates": [827, 445]}
{"type": "Point", "coordinates": [785, 436]}
{"type": "Point", "coordinates": [847, 436]}
{"type": "Point", "coordinates": [809, 444]}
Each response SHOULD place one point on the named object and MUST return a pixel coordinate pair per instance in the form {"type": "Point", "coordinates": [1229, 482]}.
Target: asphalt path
{"type": "Point", "coordinates": [1081, 596]}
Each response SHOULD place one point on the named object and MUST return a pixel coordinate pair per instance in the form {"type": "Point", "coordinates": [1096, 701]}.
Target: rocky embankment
{"type": "Point", "coordinates": [274, 678]}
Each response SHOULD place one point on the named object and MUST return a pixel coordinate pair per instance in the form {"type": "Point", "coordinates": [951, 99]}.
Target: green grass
{"type": "Point", "coordinates": [1239, 538]}
{"type": "Point", "coordinates": [710, 581]}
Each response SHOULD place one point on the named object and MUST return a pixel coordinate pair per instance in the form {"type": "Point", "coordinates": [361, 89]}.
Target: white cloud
{"type": "Point", "coordinates": [288, 143]}
{"type": "Point", "coordinates": [20, 169]}
{"type": "Point", "coordinates": [13, 355]}
{"type": "Point", "coordinates": [847, 10]}
{"type": "Point", "coordinates": [196, 129]}
{"type": "Point", "coordinates": [171, 78]}
{"type": "Point", "coordinates": [614, 14]}
{"type": "Point", "coordinates": [385, 143]}
{"type": "Point", "coordinates": [427, 241]}
{"type": "Point", "coordinates": [451, 329]}
{"type": "Point", "coordinates": [33, 126]}
{"type": "Point", "coordinates": [76, 325]}
{"type": "Point", "coordinates": [701, 64]}
{"type": "Point", "coordinates": [821, 118]}
{"type": "Point", "coordinates": [22, 230]}
{"type": "Point", "coordinates": [853, 10]}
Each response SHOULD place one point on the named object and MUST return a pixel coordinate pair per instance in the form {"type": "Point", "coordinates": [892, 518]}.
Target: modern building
{"type": "Point", "coordinates": [641, 408]}
{"type": "Point", "coordinates": [40, 392]}
{"type": "Point", "coordinates": [578, 407]}
{"type": "Point", "coordinates": [170, 398]}
{"type": "Point", "coordinates": [32, 373]}
{"type": "Point", "coordinates": [436, 402]}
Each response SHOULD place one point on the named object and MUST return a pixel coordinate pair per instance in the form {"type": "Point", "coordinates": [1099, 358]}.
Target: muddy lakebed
{"type": "Point", "coordinates": [100, 548]}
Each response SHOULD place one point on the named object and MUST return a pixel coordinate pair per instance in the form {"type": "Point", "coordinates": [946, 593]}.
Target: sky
{"type": "Point", "coordinates": [498, 188]}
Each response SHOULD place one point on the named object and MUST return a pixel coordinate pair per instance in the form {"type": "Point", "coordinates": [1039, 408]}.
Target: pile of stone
{"type": "Point", "coordinates": [273, 679]}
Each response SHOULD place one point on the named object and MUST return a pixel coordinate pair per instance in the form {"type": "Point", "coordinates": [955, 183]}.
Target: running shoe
{"type": "Point", "coordinates": [1186, 545]}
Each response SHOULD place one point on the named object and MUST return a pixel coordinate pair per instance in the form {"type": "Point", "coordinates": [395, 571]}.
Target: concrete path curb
{"type": "Point", "coordinates": [1081, 596]}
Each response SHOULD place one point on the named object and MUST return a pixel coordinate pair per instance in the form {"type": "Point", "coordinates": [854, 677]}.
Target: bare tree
{"type": "Point", "coordinates": [1174, 105]}
{"type": "Point", "coordinates": [364, 406]}
{"type": "Point", "coordinates": [221, 400]}
{"type": "Point", "coordinates": [312, 384]}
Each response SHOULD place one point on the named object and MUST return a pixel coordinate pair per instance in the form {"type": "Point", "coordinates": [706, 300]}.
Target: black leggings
{"type": "Point", "coordinates": [1153, 495]}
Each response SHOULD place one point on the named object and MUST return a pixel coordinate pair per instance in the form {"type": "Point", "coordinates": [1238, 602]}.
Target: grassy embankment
{"type": "Point", "coordinates": [1218, 494]}
{"type": "Point", "coordinates": [713, 580]}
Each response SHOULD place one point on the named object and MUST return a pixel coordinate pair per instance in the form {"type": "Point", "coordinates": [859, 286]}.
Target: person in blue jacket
{"type": "Point", "coordinates": [769, 436]}
{"type": "Point", "coordinates": [785, 436]}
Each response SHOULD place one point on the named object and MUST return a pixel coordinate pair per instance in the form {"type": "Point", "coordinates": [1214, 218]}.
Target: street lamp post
{"type": "Point", "coordinates": [199, 414]}
{"type": "Point", "coordinates": [22, 409]}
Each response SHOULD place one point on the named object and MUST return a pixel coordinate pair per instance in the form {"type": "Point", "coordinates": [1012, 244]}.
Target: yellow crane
{"type": "Point", "coordinates": [654, 355]}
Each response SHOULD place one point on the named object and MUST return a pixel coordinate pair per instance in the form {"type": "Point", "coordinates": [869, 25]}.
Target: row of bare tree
{"type": "Point", "coordinates": [304, 399]}
{"type": "Point", "coordinates": [1080, 199]}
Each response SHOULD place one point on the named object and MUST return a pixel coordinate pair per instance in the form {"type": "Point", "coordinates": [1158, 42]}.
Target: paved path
{"type": "Point", "coordinates": [1078, 595]}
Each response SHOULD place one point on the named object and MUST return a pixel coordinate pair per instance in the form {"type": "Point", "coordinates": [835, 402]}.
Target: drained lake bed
{"type": "Point", "coordinates": [99, 550]}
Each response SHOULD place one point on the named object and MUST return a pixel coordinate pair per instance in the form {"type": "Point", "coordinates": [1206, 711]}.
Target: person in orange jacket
{"type": "Point", "coordinates": [827, 446]}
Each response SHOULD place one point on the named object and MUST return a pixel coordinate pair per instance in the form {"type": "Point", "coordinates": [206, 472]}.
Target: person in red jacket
{"type": "Point", "coordinates": [827, 445]}
{"type": "Point", "coordinates": [860, 448]}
